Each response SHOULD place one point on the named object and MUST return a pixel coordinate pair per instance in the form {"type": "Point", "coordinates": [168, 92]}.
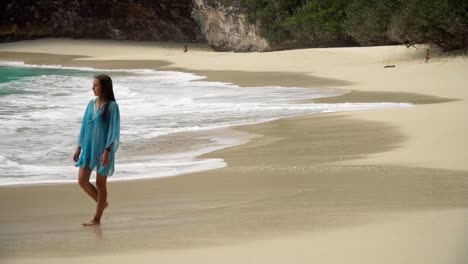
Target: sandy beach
{"type": "Point", "coordinates": [373, 186]}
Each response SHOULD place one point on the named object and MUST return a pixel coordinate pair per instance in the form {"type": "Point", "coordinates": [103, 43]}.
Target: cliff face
{"type": "Point", "coordinates": [161, 20]}
{"type": "Point", "coordinates": [226, 27]}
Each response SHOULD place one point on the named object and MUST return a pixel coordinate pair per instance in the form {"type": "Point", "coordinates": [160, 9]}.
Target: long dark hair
{"type": "Point", "coordinates": [107, 91]}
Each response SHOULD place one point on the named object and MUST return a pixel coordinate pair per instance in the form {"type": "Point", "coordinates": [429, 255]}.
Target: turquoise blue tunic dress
{"type": "Point", "coordinates": [98, 133]}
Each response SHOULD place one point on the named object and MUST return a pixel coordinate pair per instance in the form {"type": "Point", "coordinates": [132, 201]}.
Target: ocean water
{"type": "Point", "coordinates": [166, 119]}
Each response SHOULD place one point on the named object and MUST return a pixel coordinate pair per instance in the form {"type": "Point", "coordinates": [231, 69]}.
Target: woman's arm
{"type": "Point", "coordinates": [83, 128]}
{"type": "Point", "coordinates": [113, 136]}
{"type": "Point", "coordinates": [80, 142]}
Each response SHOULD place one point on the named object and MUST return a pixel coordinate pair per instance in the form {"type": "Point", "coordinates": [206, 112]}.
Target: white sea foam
{"type": "Point", "coordinates": [41, 122]}
{"type": "Point", "coordinates": [20, 64]}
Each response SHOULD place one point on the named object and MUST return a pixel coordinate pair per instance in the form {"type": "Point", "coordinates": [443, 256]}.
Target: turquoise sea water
{"type": "Point", "coordinates": [12, 74]}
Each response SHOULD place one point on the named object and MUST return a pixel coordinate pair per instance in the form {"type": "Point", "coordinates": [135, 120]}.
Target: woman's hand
{"type": "Point", "coordinates": [105, 158]}
{"type": "Point", "coordinates": [76, 156]}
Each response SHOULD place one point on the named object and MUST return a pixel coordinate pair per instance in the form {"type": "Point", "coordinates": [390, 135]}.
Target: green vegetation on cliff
{"type": "Point", "coordinates": [315, 23]}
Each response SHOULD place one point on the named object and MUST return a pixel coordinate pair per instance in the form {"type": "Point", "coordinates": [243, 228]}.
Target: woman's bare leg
{"type": "Point", "coordinates": [101, 183]}
{"type": "Point", "coordinates": [83, 180]}
{"type": "Point", "coordinates": [88, 187]}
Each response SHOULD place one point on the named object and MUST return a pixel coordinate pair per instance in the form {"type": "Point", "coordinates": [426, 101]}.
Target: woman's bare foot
{"type": "Point", "coordinates": [93, 222]}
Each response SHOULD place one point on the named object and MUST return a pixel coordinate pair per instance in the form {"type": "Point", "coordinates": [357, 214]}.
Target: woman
{"type": "Point", "coordinates": [97, 143]}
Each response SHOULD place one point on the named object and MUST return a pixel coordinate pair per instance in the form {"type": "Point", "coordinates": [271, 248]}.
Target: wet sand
{"type": "Point", "coordinates": [363, 187]}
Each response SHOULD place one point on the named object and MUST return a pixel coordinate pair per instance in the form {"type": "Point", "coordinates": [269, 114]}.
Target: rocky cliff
{"type": "Point", "coordinates": [161, 20]}
{"type": "Point", "coordinates": [226, 27]}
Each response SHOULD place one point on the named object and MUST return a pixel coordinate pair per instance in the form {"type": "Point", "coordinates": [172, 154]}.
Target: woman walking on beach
{"type": "Point", "coordinates": [97, 143]}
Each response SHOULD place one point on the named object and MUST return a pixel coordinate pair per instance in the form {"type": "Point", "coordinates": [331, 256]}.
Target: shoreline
{"type": "Point", "coordinates": [199, 141]}
{"type": "Point", "coordinates": [241, 78]}
{"type": "Point", "coordinates": [52, 60]}
{"type": "Point", "coordinates": [307, 189]}
{"type": "Point", "coordinates": [249, 80]}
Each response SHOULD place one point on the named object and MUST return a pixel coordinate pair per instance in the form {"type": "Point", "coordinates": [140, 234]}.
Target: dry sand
{"type": "Point", "coordinates": [376, 186]}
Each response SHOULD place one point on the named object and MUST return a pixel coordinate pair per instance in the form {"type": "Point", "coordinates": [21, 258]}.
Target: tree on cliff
{"type": "Point", "coordinates": [360, 22]}
{"type": "Point", "coordinates": [440, 22]}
